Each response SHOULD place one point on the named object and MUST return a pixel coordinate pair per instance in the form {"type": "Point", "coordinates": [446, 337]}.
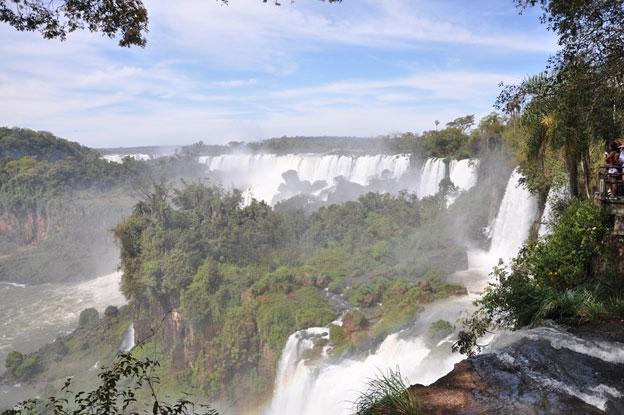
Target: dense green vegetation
{"type": "Point", "coordinates": [20, 367]}
{"type": "Point", "coordinates": [27, 184]}
{"type": "Point", "coordinates": [569, 112]}
{"type": "Point", "coordinates": [88, 316]}
{"type": "Point", "coordinates": [16, 143]}
{"type": "Point", "coordinates": [246, 277]}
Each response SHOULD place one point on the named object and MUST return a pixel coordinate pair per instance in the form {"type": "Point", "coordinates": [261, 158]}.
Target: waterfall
{"type": "Point", "coordinates": [128, 340]}
{"type": "Point", "coordinates": [263, 172]}
{"type": "Point", "coordinates": [118, 158]}
{"type": "Point", "coordinates": [463, 173]}
{"type": "Point", "coordinates": [513, 222]}
{"type": "Point", "coordinates": [431, 174]}
{"type": "Point", "coordinates": [331, 384]}
{"type": "Point", "coordinates": [555, 194]}
{"type": "Point", "coordinates": [289, 385]}
{"type": "Point", "coordinates": [511, 227]}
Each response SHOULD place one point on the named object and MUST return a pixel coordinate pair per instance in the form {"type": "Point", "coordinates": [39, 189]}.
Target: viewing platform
{"type": "Point", "coordinates": [611, 204]}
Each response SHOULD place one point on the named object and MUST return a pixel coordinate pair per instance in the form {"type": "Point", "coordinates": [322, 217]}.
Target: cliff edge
{"type": "Point", "coordinates": [546, 370]}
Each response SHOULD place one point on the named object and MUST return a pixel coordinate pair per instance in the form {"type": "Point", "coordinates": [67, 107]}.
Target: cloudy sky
{"type": "Point", "coordinates": [250, 71]}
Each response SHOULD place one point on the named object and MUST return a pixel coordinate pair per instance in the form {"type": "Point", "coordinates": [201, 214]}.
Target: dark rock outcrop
{"type": "Point", "coordinates": [547, 371]}
{"type": "Point", "coordinates": [111, 311]}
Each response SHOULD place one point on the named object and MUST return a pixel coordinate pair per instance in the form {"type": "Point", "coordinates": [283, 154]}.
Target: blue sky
{"type": "Point", "coordinates": [250, 71]}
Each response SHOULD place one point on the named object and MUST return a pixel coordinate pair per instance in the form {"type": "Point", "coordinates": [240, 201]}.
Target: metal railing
{"type": "Point", "coordinates": [606, 181]}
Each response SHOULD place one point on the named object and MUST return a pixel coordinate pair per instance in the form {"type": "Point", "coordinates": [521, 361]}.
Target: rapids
{"type": "Point", "coordinates": [33, 316]}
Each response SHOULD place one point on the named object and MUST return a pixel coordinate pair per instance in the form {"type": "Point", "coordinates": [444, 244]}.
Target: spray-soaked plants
{"type": "Point", "coordinates": [387, 393]}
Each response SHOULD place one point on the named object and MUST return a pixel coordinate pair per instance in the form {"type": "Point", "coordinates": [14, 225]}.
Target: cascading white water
{"type": "Point", "coordinates": [128, 341]}
{"type": "Point", "coordinates": [515, 217]}
{"type": "Point", "coordinates": [330, 385]}
{"type": "Point", "coordinates": [431, 174]}
{"type": "Point", "coordinates": [263, 172]}
{"type": "Point", "coordinates": [287, 384]}
{"type": "Point", "coordinates": [118, 158]}
{"type": "Point", "coordinates": [511, 227]}
{"type": "Point", "coordinates": [560, 339]}
{"type": "Point", "coordinates": [463, 173]}
{"type": "Point", "coordinates": [554, 194]}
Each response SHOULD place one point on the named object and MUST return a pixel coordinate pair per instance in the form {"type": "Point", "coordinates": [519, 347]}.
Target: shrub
{"type": "Point", "coordinates": [563, 258]}
{"type": "Point", "coordinates": [337, 285]}
{"type": "Point", "coordinates": [88, 316]}
{"type": "Point", "coordinates": [337, 334]}
{"type": "Point", "coordinates": [27, 368]}
{"type": "Point", "coordinates": [13, 360]}
{"type": "Point", "coordinates": [436, 332]}
{"type": "Point", "coordinates": [354, 321]}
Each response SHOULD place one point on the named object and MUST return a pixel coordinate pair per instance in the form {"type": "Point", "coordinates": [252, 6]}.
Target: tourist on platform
{"type": "Point", "coordinates": [612, 158]}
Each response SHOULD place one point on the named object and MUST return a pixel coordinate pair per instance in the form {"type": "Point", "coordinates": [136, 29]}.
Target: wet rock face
{"type": "Point", "coordinates": [548, 371]}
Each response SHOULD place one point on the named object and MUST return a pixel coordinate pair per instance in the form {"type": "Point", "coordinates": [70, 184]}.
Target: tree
{"type": "Point", "coordinates": [88, 316]}
{"type": "Point", "coordinates": [126, 19]}
{"type": "Point", "coordinates": [591, 28]}
{"type": "Point", "coordinates": [576, 105]}
{"type": "Point", "coordinates": [461, 123]}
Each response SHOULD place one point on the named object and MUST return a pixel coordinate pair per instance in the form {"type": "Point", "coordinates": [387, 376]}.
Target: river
{"type": "Point", "coordinates": [34, 315]}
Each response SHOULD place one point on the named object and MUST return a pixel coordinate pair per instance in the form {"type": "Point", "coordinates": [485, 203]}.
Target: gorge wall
{"type": "Point", "coordinates": [61, 241]}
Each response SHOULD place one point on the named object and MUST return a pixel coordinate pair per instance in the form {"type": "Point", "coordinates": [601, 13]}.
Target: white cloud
{"type": "Point", "coordinates": [247, 71]}
{"type": "Point", "coordinates": [250, 33]}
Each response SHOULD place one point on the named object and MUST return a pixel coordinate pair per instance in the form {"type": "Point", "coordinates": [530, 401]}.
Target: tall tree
{"type": "Point", "coordinates": [577, 103]}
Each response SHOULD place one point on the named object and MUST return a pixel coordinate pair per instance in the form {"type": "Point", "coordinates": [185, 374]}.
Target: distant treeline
{"type": "Point", "coordinates": [16, 143]}
{"type": "Point", "coordinates": [457, 140]}
{"type": "Point", "coordinates": [37, 167]}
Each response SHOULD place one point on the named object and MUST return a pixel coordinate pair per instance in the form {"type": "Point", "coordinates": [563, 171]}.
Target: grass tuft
{"type": "Point", "coordinates": [387, 393]}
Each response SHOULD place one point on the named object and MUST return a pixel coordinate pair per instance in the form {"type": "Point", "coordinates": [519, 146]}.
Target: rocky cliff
{"type": "Point", "coordinates": [548, 370]}
{"type": "Point", "coordinates": [64, 240]}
